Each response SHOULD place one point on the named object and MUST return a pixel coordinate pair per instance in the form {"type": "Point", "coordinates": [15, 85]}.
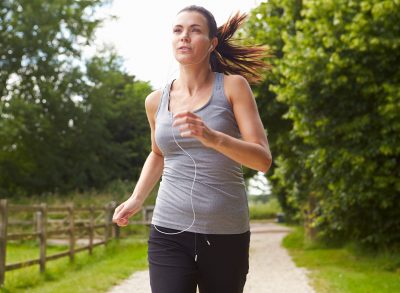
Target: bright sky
{"type": "Point", "coordinates": [142, 33]}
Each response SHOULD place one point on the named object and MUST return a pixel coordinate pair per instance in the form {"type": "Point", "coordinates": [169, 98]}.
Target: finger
{"type": "Point", "coordinates": [188, 133]}
{"type": "Point", "coordinates": [121, 217]}
{"type": "Point", "coordinates": [119, 208]}
{"type": "Point", "coordinates": [184, 113]}
{"type": "Point", "coordinates": [118, 214]}
{"type": "Point", "coordinates": [188, 120]}
{"type": "Point", "coordinates": [184, 127]}
{"type": "Point", "coordinates": [122, 214]}
{"type": "Point", "coordinates": [125, 214]}
{"type": "Point", "coordinates": [192, 129]}
{"type": "Point", "coordinates": [122, 222]}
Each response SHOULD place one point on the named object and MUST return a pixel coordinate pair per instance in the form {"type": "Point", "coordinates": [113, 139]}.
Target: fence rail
{"type": "Point", "coordinates": [75, 226]}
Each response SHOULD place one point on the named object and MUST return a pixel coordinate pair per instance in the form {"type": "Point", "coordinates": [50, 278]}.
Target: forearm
{"type": "Point", "coordinates": [149, 176]}
{"type": "Point", "coordinates": [251, 155]}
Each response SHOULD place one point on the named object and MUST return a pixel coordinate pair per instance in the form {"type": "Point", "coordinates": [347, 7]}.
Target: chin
{"type": "Point", "coordinates": [186, 60]}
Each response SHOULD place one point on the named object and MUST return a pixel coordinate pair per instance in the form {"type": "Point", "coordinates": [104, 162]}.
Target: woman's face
{"type": "Point", "coordinates": [190, 42]}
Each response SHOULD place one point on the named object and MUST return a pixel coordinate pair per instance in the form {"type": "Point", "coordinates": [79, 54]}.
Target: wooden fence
{"type": "Point", "coordinates": [74, 227]}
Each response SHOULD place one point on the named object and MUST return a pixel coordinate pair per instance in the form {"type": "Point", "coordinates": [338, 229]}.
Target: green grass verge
{"type": "Point", "coordinates": [107, 266]}
{"type": "Point", "coordinates": [117, 190]}
{"type": "Point", "coordinates": [346, 269]}
{"type": "Point", "coordinates": [266, 210]}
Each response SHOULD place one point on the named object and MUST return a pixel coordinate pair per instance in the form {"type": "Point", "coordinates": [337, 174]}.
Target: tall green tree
{"type": "Point", "coordinates": [39, 43]}
{"type": "Point", "coordinates": [112, 134]}
{"type": "Point", "coordinates": [331, 108]}
{"type": "Point", "coordinates": [65, 123]}
{"type": "Point", "coordinates": [341, 84]}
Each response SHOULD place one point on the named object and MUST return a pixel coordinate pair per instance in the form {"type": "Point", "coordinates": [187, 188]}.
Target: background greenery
{"type": "Point", "coordinates": [332, 109]}
{"type": "Point", "coordinates": [67, 123]}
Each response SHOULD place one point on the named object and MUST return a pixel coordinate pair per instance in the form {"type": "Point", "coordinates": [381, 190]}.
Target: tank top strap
{"type": "Point", "coordinates": [219, 82]}
{"type": "Point", "coordinates": [219, 98]}
{"type": "Point", "coordinates": [162, 107]}
{"type": "Point", "coordinates": [218, 90]}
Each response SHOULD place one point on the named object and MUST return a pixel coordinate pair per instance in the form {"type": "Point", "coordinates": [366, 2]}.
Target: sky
{"type": "Point", "coordinates": [142, 33]}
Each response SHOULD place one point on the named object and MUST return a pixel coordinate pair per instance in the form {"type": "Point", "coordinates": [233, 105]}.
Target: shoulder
{"type": "Point", "coordinates": [152, 101]}
{"type": "Point", "coordinates": [235, 81]}
{"type": "Point", "coordinates": [235, 85]}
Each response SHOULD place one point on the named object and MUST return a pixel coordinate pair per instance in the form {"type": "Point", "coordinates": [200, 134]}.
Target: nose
{"type": "Point", "coordinates": [184, 36]}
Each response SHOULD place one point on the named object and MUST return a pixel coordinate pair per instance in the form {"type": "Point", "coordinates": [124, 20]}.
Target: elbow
{"type": "Point", "coordinates": [267, 162]}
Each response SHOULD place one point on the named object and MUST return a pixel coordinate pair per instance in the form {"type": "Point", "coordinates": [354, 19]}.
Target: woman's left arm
{"type": "Point", "coordinates": [253, 151]}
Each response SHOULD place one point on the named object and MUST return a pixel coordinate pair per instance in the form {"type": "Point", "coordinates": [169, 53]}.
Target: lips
{"type": "Point", "coordinates": [184, 48]}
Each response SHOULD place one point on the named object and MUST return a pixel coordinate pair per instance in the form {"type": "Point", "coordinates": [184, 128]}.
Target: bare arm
{"type": "Point", "coordinates": [149, 176]}
{"type": "Point", "coordinates": [253, 150]}
{"type": "Point", "coordinates": [151, 171]}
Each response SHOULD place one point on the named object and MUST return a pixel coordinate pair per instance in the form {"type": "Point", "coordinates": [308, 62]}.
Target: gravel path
{"type": "Point", "coordinates": [271, 268]}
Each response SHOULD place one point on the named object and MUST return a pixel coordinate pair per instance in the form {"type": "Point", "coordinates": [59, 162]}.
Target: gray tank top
{"type": "Point", "coordinates": [219, 192]}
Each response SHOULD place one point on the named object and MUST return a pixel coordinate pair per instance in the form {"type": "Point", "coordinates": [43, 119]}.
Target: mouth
{"type": "Point", "coordinates": [184, 48]}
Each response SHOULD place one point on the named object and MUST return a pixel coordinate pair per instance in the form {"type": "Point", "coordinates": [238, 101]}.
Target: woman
{"type": "Point", "coordinates": [204, 126]}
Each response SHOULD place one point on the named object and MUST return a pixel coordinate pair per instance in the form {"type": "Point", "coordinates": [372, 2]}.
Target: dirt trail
{"type": "Point", "coordinates": [271, 268]}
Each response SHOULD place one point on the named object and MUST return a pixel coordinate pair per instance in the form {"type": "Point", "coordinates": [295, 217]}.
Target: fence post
{"type": "Point", "coordinates": [116, 231]}
{"type": "Point", "coordinates": [91, 230]}
{"type": "Point", "coordinates": [107, 226]}
{"type": "Point", "coordinates": [71, 231]}
{"type": "Point", "coordinates": [144, 214]}
{"type": "Point", "coordinates": [42, 219]}
{"type": "Point", "coordinates": [3, 239]}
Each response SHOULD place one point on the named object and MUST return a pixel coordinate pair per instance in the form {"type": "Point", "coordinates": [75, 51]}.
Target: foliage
{"type": "Point", "coordinates": [338, 77]}
{"type": "Point", "coordinates": [66, 123]}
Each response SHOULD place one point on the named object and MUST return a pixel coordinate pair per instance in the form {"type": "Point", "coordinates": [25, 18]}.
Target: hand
{"type": "Point", "coordinates": [125, 210]}
{"type": "Point", "coordinates": [192, 125]}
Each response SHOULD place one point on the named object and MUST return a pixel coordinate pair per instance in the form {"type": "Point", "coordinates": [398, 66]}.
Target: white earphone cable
{"type": "Point", "coordinates": [191, 191]}
{"type": "Point", "coordinates": [194, 179]}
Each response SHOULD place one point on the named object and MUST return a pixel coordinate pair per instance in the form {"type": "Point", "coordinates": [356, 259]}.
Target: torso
{"type": "Point", "coordinates": [199, 177]}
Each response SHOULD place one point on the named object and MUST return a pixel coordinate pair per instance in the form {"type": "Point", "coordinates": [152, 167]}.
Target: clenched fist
{"type": "Point", "coordinates": [125, 210]}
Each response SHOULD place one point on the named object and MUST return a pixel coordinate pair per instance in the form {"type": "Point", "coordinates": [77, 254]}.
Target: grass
{"type": "Point", "coordinates": [117, 190]}
{"type": "Point", "coordinates": [107, 266]}
{"type": "Point", "coordinates": [266, 210]}
{"type": "Point", "coordinates": [332, 269]}
{"type": "Point", "coordinates": [345, 269]}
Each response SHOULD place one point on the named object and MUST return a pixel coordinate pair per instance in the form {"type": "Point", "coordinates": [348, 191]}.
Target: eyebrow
{"type": "Point", "coordinates": [178, 25]}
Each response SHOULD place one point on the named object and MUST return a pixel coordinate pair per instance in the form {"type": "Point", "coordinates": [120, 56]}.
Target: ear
{"type": "Point", "coordinates": [214, 44]}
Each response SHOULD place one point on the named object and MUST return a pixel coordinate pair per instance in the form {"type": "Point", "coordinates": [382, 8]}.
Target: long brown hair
{"type": "Point", "coordinates": [230, 58]}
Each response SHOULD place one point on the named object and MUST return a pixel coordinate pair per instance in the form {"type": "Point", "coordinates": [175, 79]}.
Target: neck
{"type": "Point", "coordinates": [192, 79]}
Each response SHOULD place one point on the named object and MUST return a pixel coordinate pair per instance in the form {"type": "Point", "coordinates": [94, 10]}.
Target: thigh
{"type": "Point", "coordinates": [224, 264]}
{"type": "Point", "coordinates": [172, 269]}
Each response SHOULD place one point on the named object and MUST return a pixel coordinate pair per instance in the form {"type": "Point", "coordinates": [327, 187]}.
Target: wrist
{"type": "Point", "coordinates": [217, 139]}
{"type": "Point", "coordinates": [137, 198]}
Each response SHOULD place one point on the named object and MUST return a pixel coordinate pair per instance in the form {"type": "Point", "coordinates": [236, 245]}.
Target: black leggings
{"type": "Point", "coordinates": [221, 266]}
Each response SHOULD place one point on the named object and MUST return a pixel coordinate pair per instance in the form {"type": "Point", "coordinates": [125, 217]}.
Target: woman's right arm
{"type": "Point", "coordinates": [151, 171]}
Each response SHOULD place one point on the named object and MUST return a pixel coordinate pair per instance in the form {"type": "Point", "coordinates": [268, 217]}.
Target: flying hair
{"type": "Point", "coordinates": [230, 56]}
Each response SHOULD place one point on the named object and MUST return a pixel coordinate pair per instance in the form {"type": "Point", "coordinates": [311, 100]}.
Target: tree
{"type": "Point", "coordinates": [341, 85]}
{"type": "Point", "coordinates": [66, 123]}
